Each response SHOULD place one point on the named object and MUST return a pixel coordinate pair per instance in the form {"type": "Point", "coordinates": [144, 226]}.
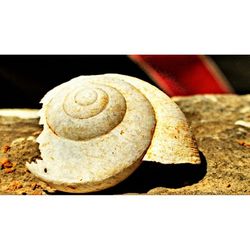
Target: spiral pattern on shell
{"type": "Point", "coordinates": [97, 130]}
{"type": "Point", "coordinates": [93, 107]}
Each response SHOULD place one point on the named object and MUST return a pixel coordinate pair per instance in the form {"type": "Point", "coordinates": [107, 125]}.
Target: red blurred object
{"type": "Point", "coordinates": [182, 75]}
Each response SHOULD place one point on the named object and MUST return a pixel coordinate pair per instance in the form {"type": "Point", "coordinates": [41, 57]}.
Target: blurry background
{"type": "Point", "coordinates": [25, 79]}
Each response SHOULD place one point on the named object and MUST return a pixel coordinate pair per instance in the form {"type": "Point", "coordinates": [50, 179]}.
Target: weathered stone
{"type": "Point", "coordinates": [219, 124]}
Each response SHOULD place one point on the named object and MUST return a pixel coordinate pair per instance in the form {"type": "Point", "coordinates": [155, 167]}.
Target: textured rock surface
{"type": "Point", "coordinates": [219, 123]}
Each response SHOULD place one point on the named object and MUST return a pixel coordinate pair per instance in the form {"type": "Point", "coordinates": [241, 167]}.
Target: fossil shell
{"type": "Point", "coordinates": [98, 129]}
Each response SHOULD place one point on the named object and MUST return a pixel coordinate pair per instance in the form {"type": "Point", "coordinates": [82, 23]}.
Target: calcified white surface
{"type": "Point", "coordinates": [98, 148]}
{"type": "Point", "coordinates": [97, 129]}
{"type": "Point", "coordinates": [172, 142]}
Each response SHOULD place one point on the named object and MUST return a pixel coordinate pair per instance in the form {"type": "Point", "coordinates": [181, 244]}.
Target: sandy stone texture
{"type": "Point", "coordinates": [220, 125]}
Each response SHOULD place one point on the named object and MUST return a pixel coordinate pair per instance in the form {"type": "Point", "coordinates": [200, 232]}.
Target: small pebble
{"type": "Point", "coordinates": [243, 123]}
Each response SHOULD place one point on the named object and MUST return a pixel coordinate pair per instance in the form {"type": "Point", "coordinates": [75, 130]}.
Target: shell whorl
{"type": "Point", "coordinates": [85, 111]}
{"type": "Point", "coordinates": [98, 129]}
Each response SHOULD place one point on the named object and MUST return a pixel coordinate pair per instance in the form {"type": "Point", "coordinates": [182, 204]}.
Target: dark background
{"type": "Point", "coordinates": [25, 79]}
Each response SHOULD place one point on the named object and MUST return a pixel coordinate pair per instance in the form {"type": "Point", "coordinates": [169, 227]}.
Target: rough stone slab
{"type": "Point", "coordinates": [220, 124]}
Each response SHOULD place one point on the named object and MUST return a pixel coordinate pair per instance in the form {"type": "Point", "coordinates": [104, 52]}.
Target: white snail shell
{"type": "Point", "coordinates": [98, 129]}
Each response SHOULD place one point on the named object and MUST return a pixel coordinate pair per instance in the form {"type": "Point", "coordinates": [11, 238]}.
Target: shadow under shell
{"type": "Point", "coordinates": [150, 175]}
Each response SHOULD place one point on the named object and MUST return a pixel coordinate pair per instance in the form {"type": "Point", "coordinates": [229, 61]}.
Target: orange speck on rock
{"type": "Point", "coordinates": [5, 163]}
{"type": "Point", "coordinates": [244, 143]}
{"type": "Point", "coordinates": [5, 148]}
{"type": "Point", "coordinates": [9, 170]}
